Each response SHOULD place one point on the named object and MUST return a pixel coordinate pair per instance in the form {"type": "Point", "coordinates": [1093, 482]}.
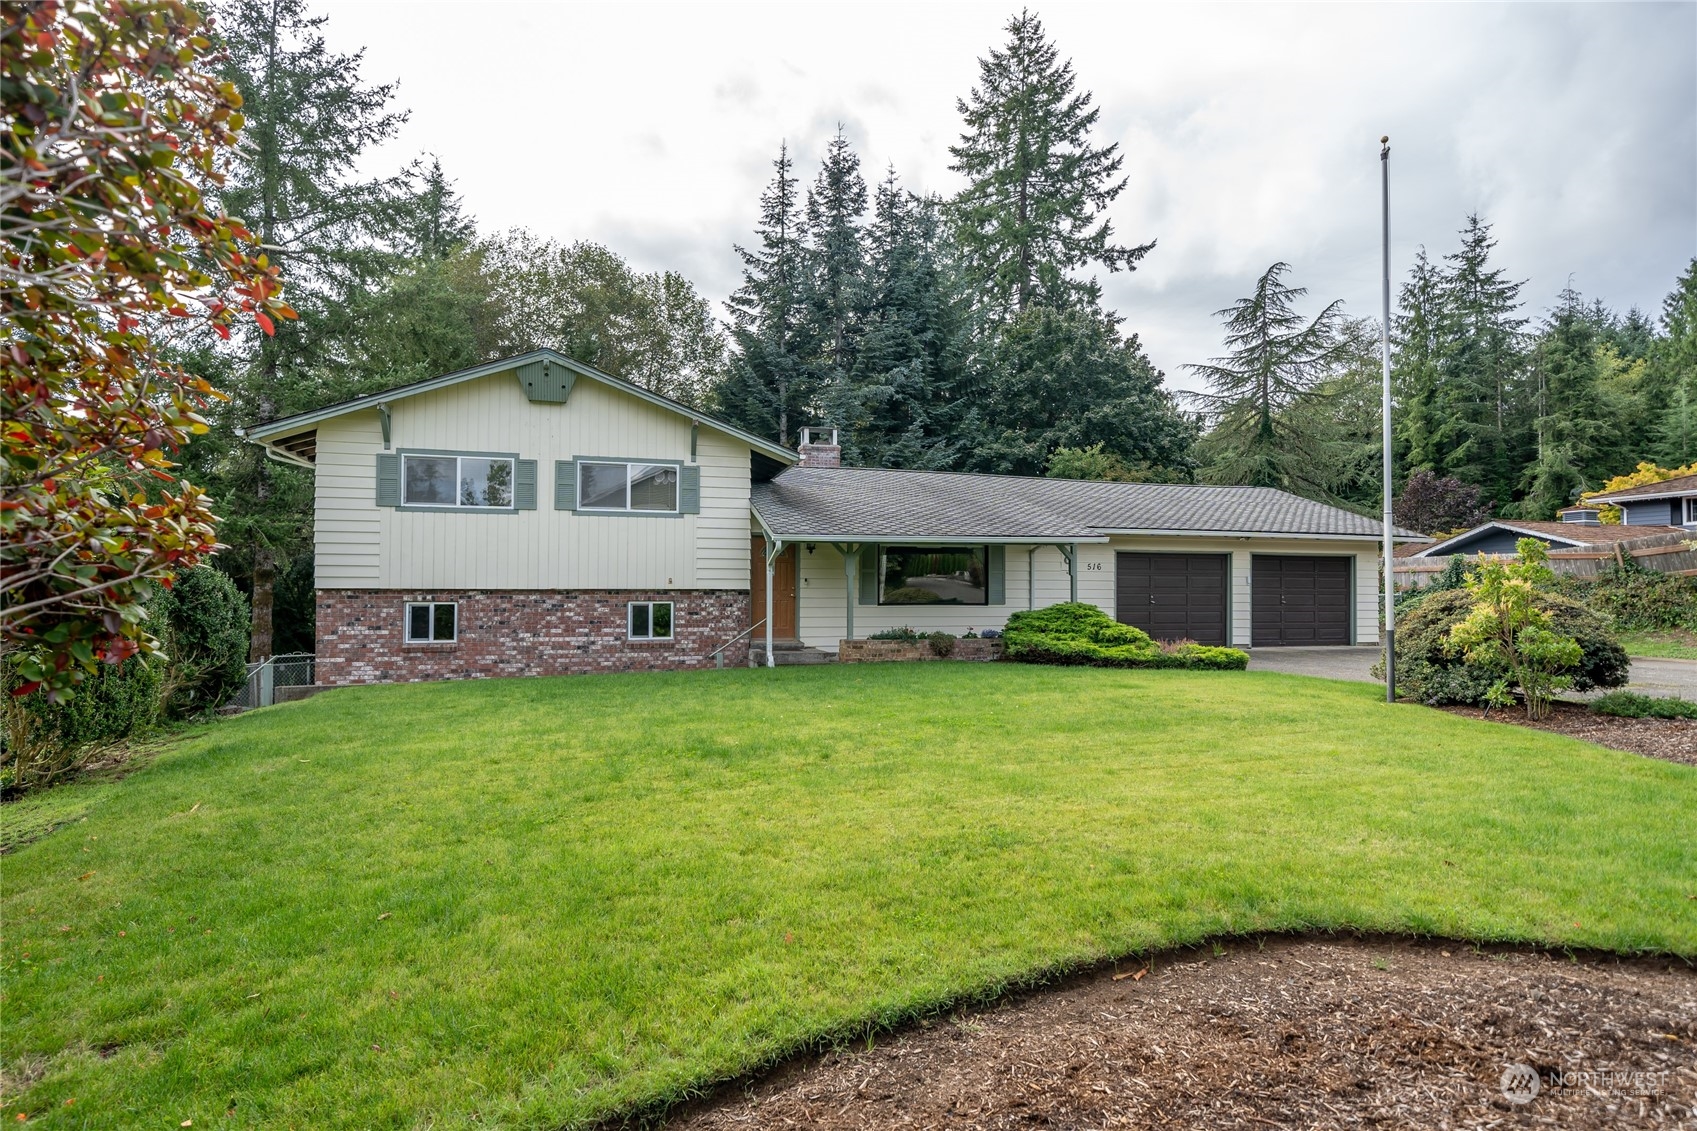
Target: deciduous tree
{"type": "Point", "coordinates": [115, 126]}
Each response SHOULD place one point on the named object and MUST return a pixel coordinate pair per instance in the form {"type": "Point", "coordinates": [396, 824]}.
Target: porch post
{"type": "Point", "coordinates": [773, 549]}
{"type": "Point", "coordinates": [851, 558]}
{"type": "Point", "coordinates": [1031, 576]}
{"type": "Point", "coordinates": [1072, 571]}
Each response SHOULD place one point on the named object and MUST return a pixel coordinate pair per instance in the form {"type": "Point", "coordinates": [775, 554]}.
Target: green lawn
{"type": "Point", "coordinates": [1674, 644]}
{"type": "Point", "coordinates": [532, 903]}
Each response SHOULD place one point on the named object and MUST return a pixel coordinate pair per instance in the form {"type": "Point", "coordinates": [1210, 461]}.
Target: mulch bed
{"type": "Point", "coordinates": [1672, 740]}
{"type": "Point", "coordinates": [1287, 1033]}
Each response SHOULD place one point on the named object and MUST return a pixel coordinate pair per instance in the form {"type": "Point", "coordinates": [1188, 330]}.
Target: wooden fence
{"type": "Point", "coordinates": [1666, 553]}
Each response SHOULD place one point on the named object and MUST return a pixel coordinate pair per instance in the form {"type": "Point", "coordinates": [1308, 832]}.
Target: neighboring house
{"type": "Point", "coordinates": [535, 516]}
{"type": "Point", "coordinates": [1578, 544]}
{"type": "Point", "coordinates": [1673, 502]}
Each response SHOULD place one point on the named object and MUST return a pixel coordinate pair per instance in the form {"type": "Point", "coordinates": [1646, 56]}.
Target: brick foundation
{"type": "Point", "coordinates": [881, 651]}
{"type": "Point", "coordinates": [517, 633]}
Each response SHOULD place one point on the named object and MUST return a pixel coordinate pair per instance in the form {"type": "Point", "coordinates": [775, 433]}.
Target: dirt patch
{"type": "Point", "coordinates": [1672, 740]}
{"type": "Point", "coordinates": [1291, 1033]}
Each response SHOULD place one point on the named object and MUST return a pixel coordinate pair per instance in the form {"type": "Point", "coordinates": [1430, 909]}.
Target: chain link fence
{"type": "Point", "coordinates": [294, 669]}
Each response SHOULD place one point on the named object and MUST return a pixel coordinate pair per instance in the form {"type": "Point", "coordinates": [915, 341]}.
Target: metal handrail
{"type": "Point", "coordinates": [719, 653]}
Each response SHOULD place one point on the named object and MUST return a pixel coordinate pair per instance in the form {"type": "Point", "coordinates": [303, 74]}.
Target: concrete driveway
{"type": "Point", "coordinates": [1650, 676]}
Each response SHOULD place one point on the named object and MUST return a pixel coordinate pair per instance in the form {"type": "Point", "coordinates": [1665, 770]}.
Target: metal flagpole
{"type": "Point", "coordinates": [1385, 347]}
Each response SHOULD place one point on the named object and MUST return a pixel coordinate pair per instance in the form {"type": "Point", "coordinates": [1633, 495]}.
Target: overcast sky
{"type": "Point", "coordinates": [1250, 132]}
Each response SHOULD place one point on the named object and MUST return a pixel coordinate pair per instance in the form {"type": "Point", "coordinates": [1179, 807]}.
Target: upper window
{"type": "Point", "coordinates": [481, 482]}
{"type": "Point", "coordinates": [934, 576]}
{"type": "Point", "coordinates": [432, 622]}
{"type": "Point", "coordinates": [646, 487]}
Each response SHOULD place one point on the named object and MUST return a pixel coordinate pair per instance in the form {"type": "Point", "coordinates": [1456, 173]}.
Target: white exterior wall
{"type": "Point", "coordinates": [360, 545]}
{"type": "Point", "coordinates": [820, 591]}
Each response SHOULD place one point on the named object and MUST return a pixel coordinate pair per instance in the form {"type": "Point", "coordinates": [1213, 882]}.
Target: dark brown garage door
{"type": "Point", "coordinates": [1172, 596]}
{"type": "Point", "coordinates": [1297, 601]}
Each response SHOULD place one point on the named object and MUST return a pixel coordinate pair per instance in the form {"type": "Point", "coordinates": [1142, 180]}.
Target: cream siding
{"type": "Point", "coordinates": [361, 545]}
{"type": "Point", "coordinates": [821, 589]}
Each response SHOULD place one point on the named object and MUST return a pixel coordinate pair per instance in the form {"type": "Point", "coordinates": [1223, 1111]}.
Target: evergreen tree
{"type": "Point", "coordinates": [1032, 211]}
{"type": "Point", "coordinates": [1263, 397]}
{"type": "Point", "coordinates": [902, 404]}
{"type": "Point", "coordinates": [768, 389]}
{"type": "Point", "coordinates": [309, 119]}
{"type": "Point", "coordinates": [836, 266]}
{"type": "Point", "coordinates": [1482, 363]}
{"type": "Point", "coordinates": [1418, 337]}
{"type": "Point", "coordinates": [434, 223]}
{"type": "Point", "coordinates": [1579, 438]}
{"type": "Point", "coordinates": [1670, 379]}
{"type": "Point", "coordinates": [1113, 397]}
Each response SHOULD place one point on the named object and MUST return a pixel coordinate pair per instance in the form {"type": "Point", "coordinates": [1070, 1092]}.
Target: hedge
{"type": "Point", "coordinates": [1080, 634]}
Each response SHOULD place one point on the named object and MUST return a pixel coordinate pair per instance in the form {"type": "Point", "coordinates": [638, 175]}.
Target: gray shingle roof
{"type": "Point", "coordinates": [865, 503]}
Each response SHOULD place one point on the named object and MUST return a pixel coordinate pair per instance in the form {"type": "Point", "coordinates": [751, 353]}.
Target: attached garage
{"type": "Point", "coordinates": [1173, 596]}
{"type": "Point", "coordinates": [1296, 601]}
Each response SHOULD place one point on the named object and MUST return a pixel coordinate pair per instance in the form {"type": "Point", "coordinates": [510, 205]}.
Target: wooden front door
{"type": "Point", "coordinates": [783, 590]}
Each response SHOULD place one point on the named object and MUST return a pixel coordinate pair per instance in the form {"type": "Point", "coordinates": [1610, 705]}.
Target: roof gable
{"type": "Point", "coordinates": [1563, 535]}
{"type": "Point", "coordinates": [527, 367]}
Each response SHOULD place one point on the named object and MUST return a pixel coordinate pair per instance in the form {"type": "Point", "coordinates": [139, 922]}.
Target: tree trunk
{"type": "Point", "coordinates": [264, 585]}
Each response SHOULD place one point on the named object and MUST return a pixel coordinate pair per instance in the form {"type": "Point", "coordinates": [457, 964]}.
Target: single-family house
{"type": "Point", "coordinates": [536, 516]}
{"type": "Point", "coordinates": [1672, 502]}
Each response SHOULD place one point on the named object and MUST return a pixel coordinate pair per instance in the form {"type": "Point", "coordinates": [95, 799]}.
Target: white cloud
{"type": "Point", "coordinates": [1249, 131]}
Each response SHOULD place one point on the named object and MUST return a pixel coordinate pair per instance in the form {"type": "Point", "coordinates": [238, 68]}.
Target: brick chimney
{"type": "Point", "coordinates": [820, 452]}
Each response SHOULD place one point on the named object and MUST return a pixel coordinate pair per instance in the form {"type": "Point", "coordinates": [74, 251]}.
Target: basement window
{"type": "Point", "coordinates": [432, 622]}
{"type": "Point", "coordinates": [650, 620]}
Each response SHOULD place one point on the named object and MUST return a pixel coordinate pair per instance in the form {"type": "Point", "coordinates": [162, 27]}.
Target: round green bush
{"type": "Point", "coordinates": [203, 622]}
{"type": "Point", "coordinates": [1077, 633]}
{"type": "Point", "coordinates": [46, 740]}
{"type": "Point", "coordinates": [1429, 671]}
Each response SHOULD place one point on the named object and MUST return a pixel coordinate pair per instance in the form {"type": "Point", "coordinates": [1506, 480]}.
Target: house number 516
{"type": "Point", "coordinates": [1092, 565]}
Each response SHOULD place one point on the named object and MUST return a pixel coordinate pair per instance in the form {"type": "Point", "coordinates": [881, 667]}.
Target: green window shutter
{"type": "Point", "coordinates": [998, 570]}
{"type": "Point", "coordinates": [689, 490]}
{"type": "Point", "coordinates": [524, 485]}
{"type": "Point", "coordinates": [869, 575]}
{"type": "Point", "coordinates": [565, 485]}
{"type": "Point", "coordinates": [388, 479]}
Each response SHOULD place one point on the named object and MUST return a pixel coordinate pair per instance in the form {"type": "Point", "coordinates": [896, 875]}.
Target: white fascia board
{"type": "Point", "coordinates": [966, 540]}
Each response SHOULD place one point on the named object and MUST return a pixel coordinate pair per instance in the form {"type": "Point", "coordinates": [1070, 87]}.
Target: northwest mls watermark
{"type": "Point", "coordinates": [1522, 1083]}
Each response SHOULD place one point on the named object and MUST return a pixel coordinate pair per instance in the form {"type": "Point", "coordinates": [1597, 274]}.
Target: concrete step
{"type": "Point", "coordinates": [784, 655]}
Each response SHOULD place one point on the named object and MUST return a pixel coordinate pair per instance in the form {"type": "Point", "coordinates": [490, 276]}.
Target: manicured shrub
{"type": "Point", "coordinates": [903, 633]}
{"type": "Point", "coordinates": [942, 645]}
{"type": "Point", "coordinates": [1430, 670]}
{"type": "Point", "coordinates": [1631, 705]}
{"type": "Point", "coordinates": [1076, 633]}
{"type": "Point", "coordinates": [203, 622]}
{"type": "Point", "coordinates": [45, 741]}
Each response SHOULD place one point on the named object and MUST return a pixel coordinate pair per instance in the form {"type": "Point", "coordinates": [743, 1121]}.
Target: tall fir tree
{"type": "Point", "coordinates": [434, 223]}
{"type": "Point", "coordinates": [903, 402]}
{"type": "Point", "coordinates": [768, 389]}
{"type": "Point", "coordinates": [1579, 437]}
{"type": "Point", "coordinates": [1670, 379]}
{"type": "Point", "coordinates": [1263, 396]}
{"type": "Point", "coordinates": [1419, 337]}
{"type": "Point", "coordinates": [1032, 213]}
{"type": "Point", "coordinates": [836, 267]}
{"type": "Point", "coordinates": [296, 181]}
